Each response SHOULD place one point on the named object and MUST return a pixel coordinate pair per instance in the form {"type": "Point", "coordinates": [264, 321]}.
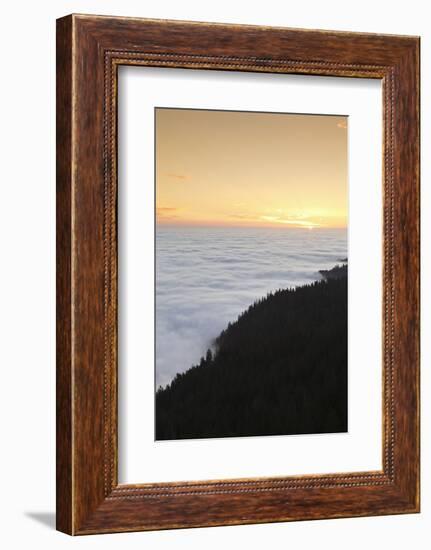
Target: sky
{"type": "Point", "coordinates": [233, 168]}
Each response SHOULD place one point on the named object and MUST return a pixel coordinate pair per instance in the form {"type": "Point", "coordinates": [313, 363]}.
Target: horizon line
{"type": "Point", "coordinates": [250, 226]}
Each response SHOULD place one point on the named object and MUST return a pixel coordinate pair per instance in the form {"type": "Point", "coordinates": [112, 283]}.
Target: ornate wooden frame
{"type": "Point", "coordinates": [89, 51]}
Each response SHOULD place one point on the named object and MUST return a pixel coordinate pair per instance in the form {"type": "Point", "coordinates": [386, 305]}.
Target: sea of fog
{"type": "Point", "coordinates": [205, 277]}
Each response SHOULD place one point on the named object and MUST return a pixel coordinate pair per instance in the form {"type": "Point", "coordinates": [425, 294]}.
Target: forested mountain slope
{"type": "Point", "coordinates": [280, 368]}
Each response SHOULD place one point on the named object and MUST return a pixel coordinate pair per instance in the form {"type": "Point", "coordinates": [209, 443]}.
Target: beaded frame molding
{"type": "Point", "coordinates": [89, 51]}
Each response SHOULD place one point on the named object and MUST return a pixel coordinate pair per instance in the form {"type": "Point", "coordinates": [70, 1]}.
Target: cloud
{"type": "Point", "coordinates": [242, 217]}
{"type": "Point", "coordinates": [176, 176]}
{"type": "Point", "coordinates": [205, 277]}
{"type": "Point", "coordinates": [166, 213]}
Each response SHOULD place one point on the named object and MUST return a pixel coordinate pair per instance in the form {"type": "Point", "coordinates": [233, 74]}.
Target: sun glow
{"type": "Point", "coordinates": [297, 221]}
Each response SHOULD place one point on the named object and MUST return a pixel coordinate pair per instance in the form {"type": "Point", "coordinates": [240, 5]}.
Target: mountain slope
{"type": "Point", "coordinates": [281, 368]}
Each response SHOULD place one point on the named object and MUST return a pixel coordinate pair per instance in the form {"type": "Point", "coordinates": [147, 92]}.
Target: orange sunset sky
{"type": "Point", "coordinates": [230, 168]}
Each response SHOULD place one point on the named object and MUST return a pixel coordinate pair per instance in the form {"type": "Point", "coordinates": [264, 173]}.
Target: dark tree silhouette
{"type": "Point", "coordinates": [281, 368]}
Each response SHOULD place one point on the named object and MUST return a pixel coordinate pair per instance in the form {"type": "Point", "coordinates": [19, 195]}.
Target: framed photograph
{"type": "Point", "coordinates": [237, 274]}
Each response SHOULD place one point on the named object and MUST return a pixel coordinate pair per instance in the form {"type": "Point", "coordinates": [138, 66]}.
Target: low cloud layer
{"type": "Point", "coordinates": [207, 276]}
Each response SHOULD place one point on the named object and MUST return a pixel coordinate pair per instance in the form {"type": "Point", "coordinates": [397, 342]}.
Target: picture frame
{"type": "Point", "coordinates": [89, 51]}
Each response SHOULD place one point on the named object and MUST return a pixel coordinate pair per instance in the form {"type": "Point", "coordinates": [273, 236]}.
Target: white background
{"type": "Point", "coordinates": [141, 458]}
{"type": "Point", "coordinates": [27, 122]}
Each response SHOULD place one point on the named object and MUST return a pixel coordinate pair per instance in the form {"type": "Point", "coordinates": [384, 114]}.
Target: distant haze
{"type": "Point", "coordinates": [229, 168]}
